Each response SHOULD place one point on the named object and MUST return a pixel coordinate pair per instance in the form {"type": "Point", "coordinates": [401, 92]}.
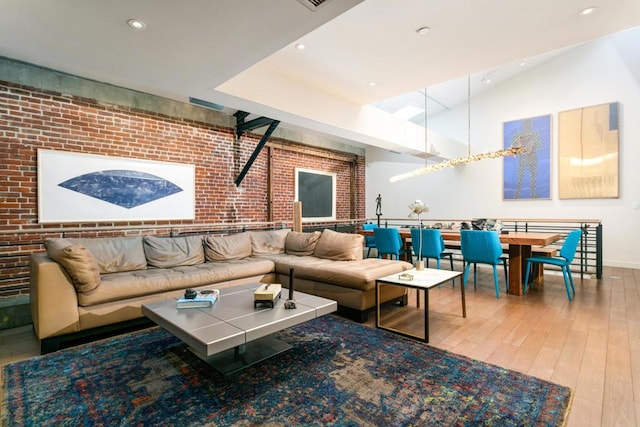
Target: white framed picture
{"type": "Point", "coordinates": [317, 192]}
{"type": "Point", "coordinates": [76, 187]}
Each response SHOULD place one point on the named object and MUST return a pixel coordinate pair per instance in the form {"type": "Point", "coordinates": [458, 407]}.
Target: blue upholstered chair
{"type": "Point", "coordinates": [388, 242]}
{"type": "Point", "coordinates": [482, 247]}
{"type": "Point", "coordinates": [369, 241]}
{"type": "Point", "coordinates": [430, 246]}
{"type": "Point", "coordinates": [567, 253]}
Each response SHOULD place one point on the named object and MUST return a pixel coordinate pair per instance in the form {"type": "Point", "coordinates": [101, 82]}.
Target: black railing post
{"type": "Point", "coordinates": [599, 251]}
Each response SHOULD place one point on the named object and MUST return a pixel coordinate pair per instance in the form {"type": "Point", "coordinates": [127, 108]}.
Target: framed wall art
{"type": "Point", "coordinates": [75, 187]}
{"type": "Point", "coordinates": [317, 192]}
{"type": "Point", "coordinates": [588, 141]}
{"type": "Point", "coordinates": [528, 175]}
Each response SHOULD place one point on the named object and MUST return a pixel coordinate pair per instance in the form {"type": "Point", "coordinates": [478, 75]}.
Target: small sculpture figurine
{"type": "Point", "coordinates": [290, 303]}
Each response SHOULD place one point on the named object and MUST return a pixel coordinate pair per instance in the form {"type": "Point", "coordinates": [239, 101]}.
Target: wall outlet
{"type": "Point", "coordinates": [636, 205]}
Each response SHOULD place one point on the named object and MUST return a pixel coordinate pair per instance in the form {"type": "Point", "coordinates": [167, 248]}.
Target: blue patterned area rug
{"type": "Point", "coordinates": [337, 373]}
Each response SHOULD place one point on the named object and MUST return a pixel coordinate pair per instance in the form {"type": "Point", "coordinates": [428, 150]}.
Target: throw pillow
{"type": "Point", "coordinates": [301, 243]}
{"type": "Point", "coordinates": [339, 246]}
{"type": "Point", "coordinates": [223, 248]}
{"type": "Point", "coordinates": [77, 261]}
{"type": "Point", "coordinates": [167, 252]}
{"type": "Point", "coordinates": [268, 242]}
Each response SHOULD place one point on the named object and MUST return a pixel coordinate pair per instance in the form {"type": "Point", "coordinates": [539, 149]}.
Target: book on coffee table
{"type": "Point", "coordinates": [204, 298]}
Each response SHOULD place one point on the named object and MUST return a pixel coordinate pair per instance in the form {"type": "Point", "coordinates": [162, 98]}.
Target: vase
{"type": "Point", "coordinates": [420, 264]}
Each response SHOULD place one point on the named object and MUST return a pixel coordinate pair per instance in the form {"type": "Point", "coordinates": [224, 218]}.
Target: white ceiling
{"type": "Point", "coordinates": [240, 53]}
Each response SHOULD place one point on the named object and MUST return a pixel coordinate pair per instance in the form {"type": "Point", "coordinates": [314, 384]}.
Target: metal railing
{"type": "Point", "coordinates": [588, 258]}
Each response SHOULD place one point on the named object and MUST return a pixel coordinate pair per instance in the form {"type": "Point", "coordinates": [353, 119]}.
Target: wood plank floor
{"type": "Point", "coordinates": [591, 344]}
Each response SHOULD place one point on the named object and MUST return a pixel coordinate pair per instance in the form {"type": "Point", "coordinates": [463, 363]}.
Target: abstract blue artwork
{"type": "Point", "coordinates": [126, 188]}
{"type": "Point", "coordinates": [528, 175]}
{"type": "Point", "coordinates": [78, 187]}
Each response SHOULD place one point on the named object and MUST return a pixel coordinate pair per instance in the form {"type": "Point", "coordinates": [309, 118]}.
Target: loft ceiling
{"type": "Point", "coordinates": [241, 53]}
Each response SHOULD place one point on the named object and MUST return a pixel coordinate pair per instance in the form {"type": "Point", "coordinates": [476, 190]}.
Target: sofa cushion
{"type": "Point", "coordinates": [360, 274]}
{"type": "Point", "coordinates": [339, 246]}
{"type": "Point", "coordinates": [166, 252]}
{"type": "Point", "coordinates": [77, 261]}
{"type": "Point", "coordinates": [222, 248]}
{"type": "Point", "coordinates": [154, 281]}
{"type": "Point", "coordinates": [301, 243]}
{"type": "Point", "coordinates": [116, 254]}
{"type": "Point", "coordinates": [269, 242]}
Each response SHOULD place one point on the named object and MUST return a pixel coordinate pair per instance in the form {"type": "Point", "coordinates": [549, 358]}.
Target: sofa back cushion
{"type": "Point", "coordinates": [167, 252]}
{"type": "Point", "coordinates": [77, 261]}
{"type": "Point", "coordinates": [269, 242]}
{"type": "Point", "coordinates": [222, 248]}
{"type": "Point", "coordinates": [339, 246]}
{"type": "Point", "coordinates": [301, 243]}
{"type": "Point", "coordinates": [116, 254]}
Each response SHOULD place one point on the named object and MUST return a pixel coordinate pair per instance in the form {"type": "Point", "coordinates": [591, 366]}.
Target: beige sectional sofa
{"type": "Point", "coordinates": [83, 287]}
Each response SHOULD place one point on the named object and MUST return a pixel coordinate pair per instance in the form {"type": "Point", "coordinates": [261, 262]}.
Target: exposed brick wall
{"type": "Point", "coordinates": [31, 119]}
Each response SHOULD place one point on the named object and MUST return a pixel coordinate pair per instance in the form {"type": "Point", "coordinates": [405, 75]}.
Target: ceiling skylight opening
{"type": "Point", "coordinates": [587, 11]}
{"type": "Point", "coordinates": [408, 111]}
{"type": "Point", "coordinates": [137, 24]}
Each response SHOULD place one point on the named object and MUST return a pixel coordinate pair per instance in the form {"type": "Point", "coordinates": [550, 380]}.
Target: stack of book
{"type": "Point", "coordinates": [204, 298]}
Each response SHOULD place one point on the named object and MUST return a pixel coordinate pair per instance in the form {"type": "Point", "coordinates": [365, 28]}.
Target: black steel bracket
{"type": "Point", "coordinates": [242, 127]}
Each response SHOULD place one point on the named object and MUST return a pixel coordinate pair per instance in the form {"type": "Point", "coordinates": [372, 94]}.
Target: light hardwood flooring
{"type": "Point", "coordinates": [591, 344]}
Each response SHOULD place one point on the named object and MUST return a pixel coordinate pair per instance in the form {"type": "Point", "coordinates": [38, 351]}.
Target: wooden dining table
{"type": "Point", "coordinates": [519, 249]}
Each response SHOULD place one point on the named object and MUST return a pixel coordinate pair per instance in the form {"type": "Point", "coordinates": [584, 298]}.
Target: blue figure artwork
{"type": "Point", "coordinates": [527, 175]}
{"type": "Point", "coordinates": [124, 188]}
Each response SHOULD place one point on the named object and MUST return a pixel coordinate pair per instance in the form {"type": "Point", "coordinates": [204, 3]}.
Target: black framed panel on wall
{"type": "Point", "coordinates": [317, 192]}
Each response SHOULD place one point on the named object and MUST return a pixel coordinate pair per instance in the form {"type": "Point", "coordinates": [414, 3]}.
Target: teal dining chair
{"type": "Point", "coordinates": [428, 243]}
{"type": "Point", "coordinates": [388, 242]}
{"type": "Point", "coordinates": [369, 241]}
{"type": "Point", "coordinates": [567, 253]}
{"type": "Point", "coordinates": [482, 247]}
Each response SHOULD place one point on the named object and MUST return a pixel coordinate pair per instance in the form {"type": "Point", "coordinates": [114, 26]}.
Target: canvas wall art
{"type": "Point", "coordinates": [588, 141]}
{"type": "Point", "coordinates": [528, 175]}
{"type": "Point", "coordinates": [317, 192]}
{"type": "Point", "coordinates": [75, 187]}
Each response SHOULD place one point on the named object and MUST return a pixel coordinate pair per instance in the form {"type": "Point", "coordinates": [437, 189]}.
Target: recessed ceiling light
{"type": "Point", "coordinates": [523, 63]}
{"type": "Point", "coordinates": [423, 30]}
{"type": "Point", "coordinates": [136, 24]}
{"type": "Point", "coordinates": [371, 83]}
{"type": "Point", "coordinates": [300, 46]}
{"type": "Point", "coordinates": [587, 11]}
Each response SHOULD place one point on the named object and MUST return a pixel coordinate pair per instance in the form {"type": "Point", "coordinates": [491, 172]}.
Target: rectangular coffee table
{"type": "Point", "coordinates": [233, 334]}
{"type": "Point", "coordinates": [424, 279]}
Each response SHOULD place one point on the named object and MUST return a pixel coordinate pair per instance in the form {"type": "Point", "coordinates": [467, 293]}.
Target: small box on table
{"type": "Point", "coordinates": [267, 294]}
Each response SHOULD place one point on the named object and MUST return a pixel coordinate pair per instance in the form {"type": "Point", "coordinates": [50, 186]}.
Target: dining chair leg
{"type": "Point", "coordinates": [573, 289]}
{"type": "Point", "coordinates": [453, 281]}
{"type": "Point", "coordinates": [495, 281]}
{"type": "Point", "coordinates": [565, 276]}
{"type": "Point", "coordinates": [466, 274]}
{"type": "Point", "coordinates": [475, 270]}
{"type": "Point", "coordinates": [526, 278]}
{"type": "Point", "coordinates": [506, 275]}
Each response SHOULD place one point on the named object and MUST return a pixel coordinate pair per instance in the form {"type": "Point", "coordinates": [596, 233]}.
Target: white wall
{"type": "Point", "coordinates": [602, 71]}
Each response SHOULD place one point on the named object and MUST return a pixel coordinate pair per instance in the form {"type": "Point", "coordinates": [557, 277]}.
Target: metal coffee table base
{"type": "Point", "coordinates": [245, 355]}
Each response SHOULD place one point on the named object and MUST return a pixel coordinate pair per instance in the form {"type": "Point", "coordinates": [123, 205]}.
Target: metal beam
{"type": "Point", "coordinates": [263, 141]}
